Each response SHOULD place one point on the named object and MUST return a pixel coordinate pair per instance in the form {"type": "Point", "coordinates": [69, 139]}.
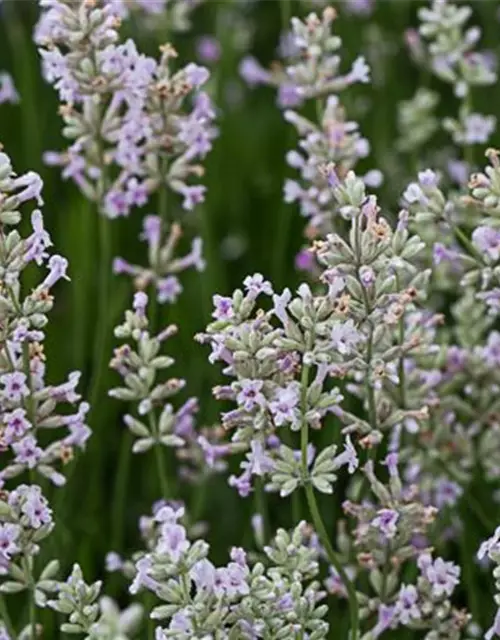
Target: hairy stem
{"type": "Point", "coordinates": [315, 512]}
{"type": "Point", "coordinates": [28, 569]}
{"type": "Point", "coordinates": [284, 217]}
{"type": "Point", "coordinates": [159, 458]}
{"type": "Point", "coordinates": [5, 617]}
{"type": "Point", "coordinates": [261, 506]}
{"type": "Point", "coordinates": [286, 14]}
{"type": "Point", "coordinates": [164, 214]}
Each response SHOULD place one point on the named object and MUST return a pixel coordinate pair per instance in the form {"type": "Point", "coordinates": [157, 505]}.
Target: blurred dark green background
{"type": "Point", "coordinates": [245, 227]}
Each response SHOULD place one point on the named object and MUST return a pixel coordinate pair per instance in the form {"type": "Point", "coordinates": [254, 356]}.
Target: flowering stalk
{"type": "Point", "coordinates": [448, 51]}
{"type": "Point", "coordinates": [314, 510]}
{"type": "Point", "coordinates": [311, 71]}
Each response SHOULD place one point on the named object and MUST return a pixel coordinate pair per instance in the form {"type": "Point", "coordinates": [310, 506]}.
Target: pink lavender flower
{"type": "Point", "coordinates": [407, 609]}
{"type": "Point", "coordinates": [386, 618]}
{"type": "Point", "coordinates": [15, 387]}
{"type": "Point", "coordinates": [284, 406]}
{"type": "Point", "coordinates": [252, 72]}
{"type": "Point", "coordinates": [173, 541]}
{"type": "Point", "coordinates": [27, 452]}
{"type": "Point", "coordinates": [345, 337]}
{"type": "Point", "coordinates": [386, 521]}
{"type": "Point", "coordinates": [256, 285]}
{"type": "Point", "coordinates": [487, 240]}
{"type": "Point", "coordinates": [8, 91]}
{"type": "Point", "coordinates": [142, 577]}
{"type": "Point", "coordinates": [442, 576]}
{"type": "Point", "coordinates": [348, 457]}
{"type": "Point", "coordinates": [250, 395]}
{"type": "Point", "coordinates": [9, 534]}
{"type": "Point", "coordinates": [208, 49]}
{"type": "Point", "coordinates": [478, 128]}
{"type": "Point", "coordinates": [35, 507]}
{"type": "Point", "coordinates": [490, 546]}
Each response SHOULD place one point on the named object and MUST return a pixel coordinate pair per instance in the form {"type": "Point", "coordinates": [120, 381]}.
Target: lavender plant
{"type": "Point", "coordinates": [29, 405]}
{"type": "Point", "coordinates": [312, 71]}
{"type": "Point", "coordinates": [448, 50]}
{"type": "Point", "coordinates": [123, 111]}
{"type": "Point", "coordinates": [371, 389]}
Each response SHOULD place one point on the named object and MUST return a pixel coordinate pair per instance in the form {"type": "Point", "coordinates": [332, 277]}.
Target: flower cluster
{"type": "Point", "coordinates": [375, 384]}
{"type": "Point", "coordinates": [153, 14]}
{"type": "Point", "coordinates": [100, 619]}
{"type": "Point", "coordinates": [164, 266]}
{"type": "Point", "coordinates": [275, 597]}
{"type": "Point", "coordinates": [139, 368]}
{"type": "Point", "coordinates": [449, 49]}
{"type": "Point", "coordinates": [26, 520]}
{"type": "Point", "coordinates": [490, 549]}
{"type": "Point", "coordinates": [386, 531]}
{"type": "Point", "coordinates": [311, 69]}
{"type": "Point", "coordinates": [389, 533]}
{"type": "Point", "coordinates": [28, 404]}
{"type": "Point", "coordinates": [334, 141]}
{"type": "Point", "coordinates": [137, 125]}
{"type": "Point", "coordinates": [266, 359]}
{"type": "Point", "coordinates": [416, 120]}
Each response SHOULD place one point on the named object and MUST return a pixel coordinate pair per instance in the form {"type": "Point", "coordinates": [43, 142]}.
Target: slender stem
{"type": "Point", "coordinates": [163, 211]}
{"type": "Point", "coordinates": [197, 509]}
{"type": "Point", "coordinates": [33, 615]}
{"type": "Point", "coordinates": [120, 492]}
{"type": "Point", "coordinates": [30, 401]}
{"type": "Point", "coordinates": [160, 467]}
{"type": "Point", "coordinates": [100, 351]}
{"type": "Point", "coordinates": [465, 241]}
{"type": "Point", "coordinates": [385, 574]}
{"type": "Point", "coordinates": [296, 507]}
{"type": "Point", "coordinates": [286, 14]}
{"type": "Point", "coordinates": [284, 214]}
{"type": "Point", "coordinates": [468, 148]}
{"type": "Point", "coordinates": [315, 513]}
{"type": "Point", "coordinates": [28, 568]}
{"type": "Point", "coordinates": [472, 503]}
{"type": "Point", "coordinates": [164, 214]}
{"type": "Point", "coordinates": [334, 560]}
{"type": "Point", "coordinates": [372, 410]}
{"type": "Point", "coordinates": [261, 506]}
{"type": "Point", "coordinates": [6, 619]}
{"type": "Point", "coordinates": [401, 365]}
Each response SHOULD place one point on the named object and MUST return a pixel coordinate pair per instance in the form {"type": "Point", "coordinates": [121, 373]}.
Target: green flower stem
{"type": "Point", "coordinates": [468, 148]}
{"type": "Point", "coordinates": [466, 243]}
{"type": "Point", "coordinates": [401, 365]}
{"type": "Point", "coordinates": [105, 251]}
{"type": "Point", "coordinates": [160, 466]}
{"type": "Point", "coordinates": [164, 214]}
{"type": "Point", "coordinates": [28, 569]}
{"type": "Point", "coordinates": [197, 510]}
{"type": "Point", "coordinates": [472, 503]}
{"type": "Point", "coordinates": [286, 14]}
{"type": "Point", "coordinates": [315, 512]}
{"type": "Point", "coordinates": [100, 352]}
{"type": "Point", "coordinates": [120, 491]}
{"type": "Point", "coordinates": [261, 506]}
{"type": "Point", "coordinates": [6, 619]}
{"type": "Point", "coordinates": [285, 212]}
